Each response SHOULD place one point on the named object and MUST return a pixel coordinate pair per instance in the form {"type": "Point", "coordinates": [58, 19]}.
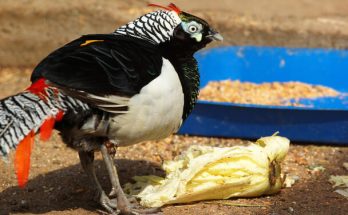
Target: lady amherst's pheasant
{"type": "Point", "coordinates": [107, 90]}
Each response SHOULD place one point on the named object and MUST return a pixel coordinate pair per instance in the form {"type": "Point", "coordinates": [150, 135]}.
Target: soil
{"type": "Point", "coordinates": [30, 29]}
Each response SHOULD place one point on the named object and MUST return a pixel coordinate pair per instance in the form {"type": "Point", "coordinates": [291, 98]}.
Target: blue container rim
{"type": "Point", "coordinates": [258, 106]}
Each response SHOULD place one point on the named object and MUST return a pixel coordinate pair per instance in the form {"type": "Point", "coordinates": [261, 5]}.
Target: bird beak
{"type": "Point", "coordinates": [215, 35]}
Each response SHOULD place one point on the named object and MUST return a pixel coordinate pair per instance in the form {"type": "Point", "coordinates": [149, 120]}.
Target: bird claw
{"type": "Point", "coordinates": [110, 205]}
{"type": "Point", "coordinates": [113, 192]}
{"type": "Point", "coordinates": [123, 204]}
{"type": "Point", "coordinates": [147, 211]}
{"type": "Point", "coordinates": [133, 208]}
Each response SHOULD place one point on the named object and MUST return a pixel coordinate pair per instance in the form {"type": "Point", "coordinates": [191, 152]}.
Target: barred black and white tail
{"type": "Point", "coordinates": [25, 112]}
{"type": "Point", "coordinates": [19, 115]}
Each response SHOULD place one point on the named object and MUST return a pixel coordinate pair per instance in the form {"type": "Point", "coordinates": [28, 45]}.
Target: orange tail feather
{"type": "Point", "coordinates": [23, 151]}
{"type": "Point", "coordinates": [48, 125]}
{"type": "Point", "coordinates": [22, 159]}
{"type": "Point", "coordinates": [46, 129]}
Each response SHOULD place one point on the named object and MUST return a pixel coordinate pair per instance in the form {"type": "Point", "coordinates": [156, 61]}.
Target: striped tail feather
{"type": "Point", "coordinates": [21, 116]}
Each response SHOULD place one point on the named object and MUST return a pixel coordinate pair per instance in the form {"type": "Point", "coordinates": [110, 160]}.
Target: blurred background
{"type": "Point", "coordinates": [30, 29]}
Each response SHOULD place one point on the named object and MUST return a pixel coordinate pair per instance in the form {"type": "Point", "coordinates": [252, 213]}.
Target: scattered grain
{"type": "Point", "coordinates": [274, 93]}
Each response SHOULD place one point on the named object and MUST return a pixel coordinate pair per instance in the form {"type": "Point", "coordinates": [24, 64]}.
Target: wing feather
{"type": "Point", "coordinates": [102, 70]}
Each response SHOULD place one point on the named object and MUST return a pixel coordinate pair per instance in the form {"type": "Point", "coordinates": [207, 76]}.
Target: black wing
{"type": "Point", "coordinates": [102, 65]}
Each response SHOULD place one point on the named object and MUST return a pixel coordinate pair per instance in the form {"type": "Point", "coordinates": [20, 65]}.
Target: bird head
{"type": "Point", "coordinates": [171, 27]}
{"type": "Point", "coordinates": [194, 32]}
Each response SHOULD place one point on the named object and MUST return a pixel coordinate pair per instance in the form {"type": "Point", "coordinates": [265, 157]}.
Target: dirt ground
{"type": "Point", "coordinates": [30, 29]}
{"type": "Point", "coordinates": [58, 185]}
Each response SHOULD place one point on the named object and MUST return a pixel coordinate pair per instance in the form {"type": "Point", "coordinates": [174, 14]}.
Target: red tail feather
{"type": "Point", "coordinates": [46, 129]}
{"type": "Point", "coordinates": [59, 116]}
{"type": "Point", "coordinates": [48, 125]}
{"type": "Point", "coordinates": [22, 159]}
{"type": "Point", "coordinates": [23, 151]}
{"type": "Point", "coordinates": [38, 88]}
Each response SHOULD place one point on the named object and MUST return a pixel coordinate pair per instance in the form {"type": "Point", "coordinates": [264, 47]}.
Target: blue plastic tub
{"type": "Point", "coordinates": [325, 121]}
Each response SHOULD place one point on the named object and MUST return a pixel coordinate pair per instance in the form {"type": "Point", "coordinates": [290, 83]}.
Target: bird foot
{"type": "Point", "coordinates": [110, 205]}
{"type": "Point", "coordinates": [138, 211]}
{"type": "Point", "coordinates": [130, 206]}
{"type": "Point", "coordinates": [146, 211]}
{"type": "Point", "coordinates": [123, 204]}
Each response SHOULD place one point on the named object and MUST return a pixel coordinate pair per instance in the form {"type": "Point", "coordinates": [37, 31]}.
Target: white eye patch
{"type": "Point", "coordinates": [197, 36]}
{"type": "Point", "coordinates": [194, 29]}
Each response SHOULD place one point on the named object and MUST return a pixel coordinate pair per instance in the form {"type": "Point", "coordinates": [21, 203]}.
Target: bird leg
{"type": "Point", "coordinates": [123, 203]}
{"type": "Point", "coordinates": [86, 159]}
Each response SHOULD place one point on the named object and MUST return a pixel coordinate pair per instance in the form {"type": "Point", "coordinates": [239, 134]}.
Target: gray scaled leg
{"type": "Point", "coordinates": [86, 159]}
{"type": "Point", "coordinates": [122, 202]}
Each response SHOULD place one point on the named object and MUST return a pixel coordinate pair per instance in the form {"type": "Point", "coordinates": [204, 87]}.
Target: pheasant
{"type": "Point", "coordinates": [102, 91]}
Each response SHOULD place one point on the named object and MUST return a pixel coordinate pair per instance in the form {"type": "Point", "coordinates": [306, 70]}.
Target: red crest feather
{"type": "Point", "coordinates": [171, 7]}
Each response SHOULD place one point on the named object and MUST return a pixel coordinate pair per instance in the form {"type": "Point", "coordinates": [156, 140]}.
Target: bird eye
{"type": "Point", "coordinates": [192, 28]}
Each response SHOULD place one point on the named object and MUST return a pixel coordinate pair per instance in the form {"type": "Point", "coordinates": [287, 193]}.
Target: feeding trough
{"type": "Point", "coordinates": [322, 121]}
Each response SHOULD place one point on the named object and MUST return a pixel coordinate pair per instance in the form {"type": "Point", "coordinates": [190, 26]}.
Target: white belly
{"type": "Point", "coordinates": [154, 113]}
